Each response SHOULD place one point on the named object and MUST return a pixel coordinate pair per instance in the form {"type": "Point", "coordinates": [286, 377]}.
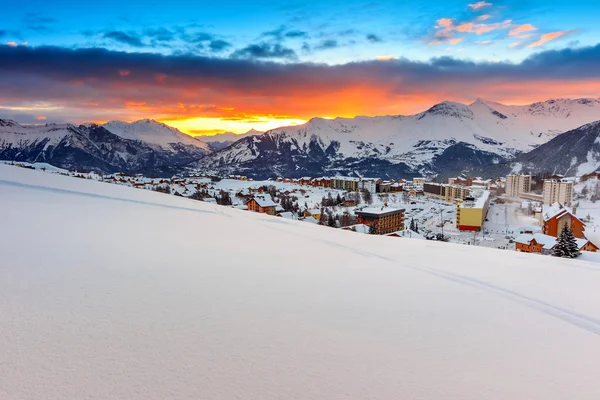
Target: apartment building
{"type": "Point", "coordinates": [557, 191]}
{"type": "Point", "coordinates": [516, 184]}
{"type": "Point", "coordinates": [386, 220]}
{"type": "Point", "coordinates": [471, 213]}
{"type": "Point", "coordinates": [345, 183]}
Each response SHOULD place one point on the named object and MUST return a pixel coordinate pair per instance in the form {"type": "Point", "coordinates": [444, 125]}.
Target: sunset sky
{"type": "Point", "coordinates": [233, 65]}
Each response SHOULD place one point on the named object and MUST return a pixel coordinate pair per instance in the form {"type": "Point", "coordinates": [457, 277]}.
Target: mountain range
{"type": "Point", "coordinates": [446, 139]}
{"type": "Point", "coordinates": [443, 140]}
{"type": "Point", "coordinates": [144, 146]}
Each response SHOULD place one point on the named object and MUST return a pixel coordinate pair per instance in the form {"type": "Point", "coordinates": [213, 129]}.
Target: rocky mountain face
{"type": "Point", "coordinates": [91, 147]}
{"type": "Point", "coordinates": [444, 140]}
{"type": "Point", "coordinates": [572, 153]}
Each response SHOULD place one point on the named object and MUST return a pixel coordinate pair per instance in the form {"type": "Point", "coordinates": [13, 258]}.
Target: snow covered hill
{"type": "Point", "coordinates": [222, 140]}
{"type": "Point", "coordinates": [447, 137]}
{"type": "Point", "coordinates": [155, 133]}
{"type": "Point", "coordinates": [108, 292]}
{"type": "Point", "coordinates": [92, 147]}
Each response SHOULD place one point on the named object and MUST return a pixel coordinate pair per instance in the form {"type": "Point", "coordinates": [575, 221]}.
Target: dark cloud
{"type": "Point", "coordinates": [199, 37]}
{"type": "Point", "coordinates": [373, 38]}
{"type": "Point", "coordinates": [327, 44]}
{"type": "Point", "coordinates": [296, 34]}
{"type": "Point", "coordinates": [160, 34]}
{"type": "Point", "coordinates": [265, 51]}
{"type": "Point", "coordinates": [219, 45]}
{"type": "Point", "coordinates": [282, 33]}
{"type": "Point", "coordinates": [84, 77]}
{"type": "Point", "coordinates": [124, 38]}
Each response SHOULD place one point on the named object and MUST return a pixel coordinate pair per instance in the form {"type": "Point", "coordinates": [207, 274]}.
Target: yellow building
{"type": "Point", "coordinates": [471, 213]}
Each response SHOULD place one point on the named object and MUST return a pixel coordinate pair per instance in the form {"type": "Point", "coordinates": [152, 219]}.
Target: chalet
{"type": "Point", "coordinates": [591, 175]}
{"type": "Point", "coordinates": [262, 204]}
{"type": "Point", "coordinates": [543, 244]}
{"type": "Point", "coordinates": [396, 187]}
{"type": "Point", "coordinates": [556, 217]}
{"type": "Point", "coordinates": [315, 213]}
{"type": "Point", "coordinates": [385, 220]}
{"type": "Point", "coordinates": [305, 180]}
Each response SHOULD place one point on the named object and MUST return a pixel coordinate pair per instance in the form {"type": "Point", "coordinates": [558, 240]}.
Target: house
{"type": "Point", "coordinates": [311, 220]}
{"type": "Point", "coordinates": [543, 244]}
{"type": "Point", "coordinates": [385, 219]}
{"type": "Point", "coordinates": [315, 213]}
{"type": "Point", "coordinates": [286, 215]}
{"type": "Point", "coordinates": [418, 181]}
{"type": "Point", "coordinates": [262, 204]}
{"type": "Point", "coordinates": [360, 228]}
{"type": "Point", "coordinates": [556, 217]}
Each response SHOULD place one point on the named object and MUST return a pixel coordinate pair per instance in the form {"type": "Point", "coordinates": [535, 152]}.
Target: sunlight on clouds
{"type": "Point", "coordinates": [545, 38]}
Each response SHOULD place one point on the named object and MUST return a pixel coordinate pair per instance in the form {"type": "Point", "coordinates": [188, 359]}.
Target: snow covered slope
{"type": "Point", "coordinates": [426, 143]}
{"type": "Point", "coordinates": [109, 292]}
{"type": "Point", "coordinates": [154, 132]}
{"type": "Point", "coordinates": [95, 148]}
{"type": "Point", "coordinates": [222, 140]}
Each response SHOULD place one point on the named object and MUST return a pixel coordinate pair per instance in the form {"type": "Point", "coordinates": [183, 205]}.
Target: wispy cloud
{"type": "Point", "coordinates": [373, 38]}
{"type": "Point", "coordinates": [479, 5]}
{"type": "Point", "coordinates": [520, 29]}
{"type": "Point", "coordinates": [547, 37]}
{"type": "Point", "coordinates": [124, 38]}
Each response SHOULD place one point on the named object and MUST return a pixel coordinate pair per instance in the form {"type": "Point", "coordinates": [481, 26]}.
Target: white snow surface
{"type": "Point", "coordinates": [108, 292]}
{"type": "Point", "coordinates": [153, 132]}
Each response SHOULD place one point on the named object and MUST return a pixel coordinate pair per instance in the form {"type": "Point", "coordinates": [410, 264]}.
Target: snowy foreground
{"type": "Point", "coordinates": [108, 292]}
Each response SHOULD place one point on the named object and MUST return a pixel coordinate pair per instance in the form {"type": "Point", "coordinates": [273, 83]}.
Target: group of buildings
{"type": "Point", "coordinates": [554, 218]}
{"type": "Point", "coordinates": [555, 189]}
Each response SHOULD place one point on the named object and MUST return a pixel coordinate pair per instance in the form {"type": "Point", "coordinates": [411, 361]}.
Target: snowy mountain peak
{"type": "Point", "coordinates": [449, 109]}
{"type": "Point", "coordinates": [154, 133]}
{"type": "Point", "coordinates": [8, 122]}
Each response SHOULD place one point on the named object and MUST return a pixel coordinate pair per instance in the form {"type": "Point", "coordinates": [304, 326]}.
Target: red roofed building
{"type": "Point", "coordinates": [556, 217]}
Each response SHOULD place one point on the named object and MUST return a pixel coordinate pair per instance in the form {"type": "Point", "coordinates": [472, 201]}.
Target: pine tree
{"type": "Point", "coordinates": [416, 228]}
{"type": "Point", "coordinates": [412, 224]}
{"type": "Point", "coordinates": [566, 245]}
{"type": "Point", "coordinates": [372, 229]}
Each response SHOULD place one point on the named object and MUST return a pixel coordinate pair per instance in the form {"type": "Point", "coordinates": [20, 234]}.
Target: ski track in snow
{"type": "Point", "coordinates": [582, 321]}
{"type": "Point", "coordinates": [100, 196]}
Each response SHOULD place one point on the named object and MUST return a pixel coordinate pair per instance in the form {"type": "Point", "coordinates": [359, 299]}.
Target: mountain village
{"type": "Point", "coordinates": [517, 212]}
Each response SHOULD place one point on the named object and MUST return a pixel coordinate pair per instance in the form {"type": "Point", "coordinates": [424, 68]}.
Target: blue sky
{"type": "Point", "coordinates": [321, 31]}
{"type": "Point", "coordinates": [233, 65]}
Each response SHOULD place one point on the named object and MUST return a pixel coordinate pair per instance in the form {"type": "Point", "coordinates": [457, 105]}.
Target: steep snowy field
{"type": "Point", "coordinates": [109, 292]}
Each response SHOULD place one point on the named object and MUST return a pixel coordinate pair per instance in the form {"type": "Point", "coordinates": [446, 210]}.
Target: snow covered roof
{"type": "Point", "coordinates": [314, 211]}
{"type": "Point", "coordinates": [360, 228]}
{"type": "Point", "coordinates": [311, 220]}
{"type": "Point", "coordinates": [265, 200]}
{"type": "Point", "coordinates": [287, 215]}
{"type": "Point", "coordinates": [378, 211]}
{"type": "Point", "coordinates": [407, 233]}
{"type": "Point", "coordinates": [547, 242]}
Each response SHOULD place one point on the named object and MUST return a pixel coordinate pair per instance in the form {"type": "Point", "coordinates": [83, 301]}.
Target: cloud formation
{"type": "Point", "coordinates": [124, 38]}
{"type": "Point", "coordinates": [265, 51]}
{"type": "Point", "coordinates": [99, 84]}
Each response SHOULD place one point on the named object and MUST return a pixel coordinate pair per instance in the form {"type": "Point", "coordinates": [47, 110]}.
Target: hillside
{"type": "Point", "coordinates": [443, 140]}
{"type": "Point", "coordinates": [93, 147]}
{"type": "Point", "coordinates": [109, 292]}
